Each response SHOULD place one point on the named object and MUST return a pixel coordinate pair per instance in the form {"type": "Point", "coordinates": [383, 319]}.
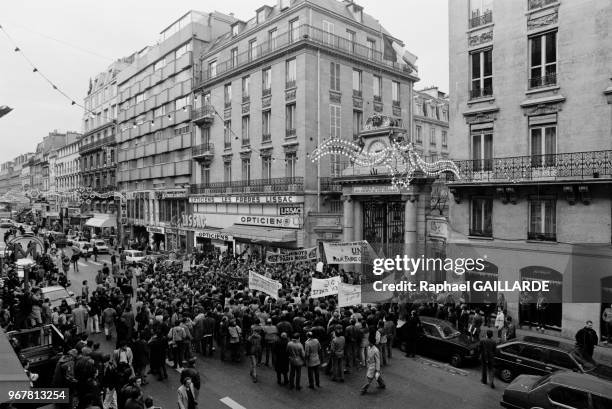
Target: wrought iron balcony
{"type": "Point", "coordinates": [357, 93]}
{"type": "Point", "coordinates": [290, 132]}
{"type": "Point", "coordinates": [245, 142]}
{"type": "Point", "coordinates": [481, 233]}
{"type": "Point", "coordinates": [203, 151]}
{"type": "Point", "coordinates": [304, 34]}
{"type": "Point", "coordinates": [330, 185]}
{"type": "Point", "coordinates": [203, 115]}
{"type": "Point", "coordinates": [552, 167]}
{"type": "Point", "coordinates": [266, 137]}
{"type": "Point", "coordinates": [536, 4]}
{"type": "Point", "coordinates": [270, 185]}
{"type": "Point", "coordinates": [481, 92]}
{"type": "Point", "coordinates": [541, 236]}
{"type": "Point", "coordinates": [481, 20]}
{"type": "Point", "coordinates": [266, 92]}
{"type": "Point", "coordinates": [545, 81]}
{"type": "Point", "coordinates": [290, 84]}
{"type": "Point", "coordinates": [86, 147]}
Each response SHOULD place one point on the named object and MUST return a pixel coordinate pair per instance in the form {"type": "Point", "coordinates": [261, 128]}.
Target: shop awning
{"type": "Point", "coordinates": [101, 222]}
{"type": "Point", "coordinates": [261, 234]}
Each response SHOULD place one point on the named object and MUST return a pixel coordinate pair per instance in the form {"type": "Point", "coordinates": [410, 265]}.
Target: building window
{"type": "Point", "coordinates": [543, 145]}
{"type": "Point", "coordinates": [246, 170]}
{"type": "Point", "coordinates": [432, 136]}
{"type": "Point", "coordinates": [252, 49]}
{"type": "Point", "coordinates": [235, 30]}
{"type": "Point", "coordinates": [290, 167]}
{"type": "Point", "coordinates": [444, 139]}
{"type": "Point", "coordinates": [334, 70]}
{"type": "Point", "coordinates": [481, 12]}
{"type": "Point", "coordinates": [159, 64]}
{"type": "Point", "coordinates": [481, 217]}
{"type": "Point", "coordinates": [266, 81]}
{"type": "Point", "coordinates": [205, 134]}
{"type": "Point", "coordinates": [542, 220]}
{"type": "Point", "coordinates": [352, 37]}
{"type": "Point", "coordinates": [290, 73]}
{"type": "Point", "coordinates": [227, 172]}
{"type": "Point", "coordinates": [227, 134]}
{"type": "Point", "coordinates": [377, 88]}
{"type": "Point", "coordinates": [212, 68]}
{"type": "Point", "coordinates": [357, 123]}
{"type": "Point", "coordinates": [357, 83]}
{"type": "Point", "coordinates": [184, 49]}
{"type": "Point", "coordinates": [234, 56]}
{"type": "Point", "coordinates": [272, 34]}
{"type": "Point", "coordinates": [205, 175]}
{"type": "Point", "coordinates": [293, 30]}
{"type": "Point", "coordinates": [395, 93]}
{"type": "Point", "coordinates": [328, 28]}
{"type": "Point", "coordinates": [180, 103]}
{"type": "Point", "coordinates": [261, 16]}
{"type": "Point", "coordinates": [371, 48]}
{"type": "Point", "coordinates": [419, 135]}
{"type": "Point", "coordinates": [482, 73]}
{"type": "Point", "coordinates": [246, 130]}
{"type": "Point", "coordinates": [290, 120]}
{"type": "Point", "coordinates": [227, 95]}
{"type": "Point", "coordinates": [482, 150]}
{"type": "Point", "coordinates": [266, 167]}
{"type": "Point", "coordinates": [265, 126]}
{"type": "Point", "coordinates": [246, 88]}
{"type": "Point", "coordinates": [543, 60]}
{"type": "Point", "coordinates": [334, 121]}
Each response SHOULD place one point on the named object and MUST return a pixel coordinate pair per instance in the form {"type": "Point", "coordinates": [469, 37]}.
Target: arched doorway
{"type": "Point", "coordinates": [383, 226]}
{"type": "Point", "coordinates": [606, 305]}
{"type": "Point", "coordinates": [537, 309]}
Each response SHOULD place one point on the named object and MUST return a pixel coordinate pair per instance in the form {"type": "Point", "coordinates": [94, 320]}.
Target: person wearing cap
{"type": "Point", "coordinates": [313, 360]}
{"type": "Point", "coordinates": [296, 354]}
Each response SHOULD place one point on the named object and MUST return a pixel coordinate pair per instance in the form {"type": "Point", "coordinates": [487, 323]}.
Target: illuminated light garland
{"type": "Point", "coordinates": [400, 158]}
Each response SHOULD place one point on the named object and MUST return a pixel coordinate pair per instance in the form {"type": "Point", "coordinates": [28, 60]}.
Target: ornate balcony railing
{"type": "Point", "coordinates": [485, 18]}
{"type": "Point", "coordinates": [202, 150]}
{"type": "Point", "coordinates": [330, 185]}
{"type": "Point", "coordinates": [545, 81]}
{"type": "Point", "coordinates": [536, 4]}
{"type": "Point", "coordinates": [96, 144]}
{"type": "Point", "coordinates": [303, 34]}
{"type": "Point", "coordinates": [266, 137]}
{"type": "Point", "coordinates": [481, 233]}
{"type": "Point", "coordinates": [560, 166]}
{"type": "Point", "coordinates": [481, 92]}
{"type": "Point", "coordinates": [205, 114]}
{"type": "Point", "coordinates": [541, 236]}
{"type": "Point", "coordinates": [271, 185]}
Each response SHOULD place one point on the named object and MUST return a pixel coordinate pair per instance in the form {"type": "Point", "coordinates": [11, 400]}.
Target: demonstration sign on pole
{"type": "Point", "coordinates": [264, 284]}
{"type": "Point", "coordinates": [324, 287]}
{"type": "Point", "coordinates": [294, 256]}
{"type": "Point", "coordinates": [346, 253]}
{"type": "Point", "coordinates": [349, 295]}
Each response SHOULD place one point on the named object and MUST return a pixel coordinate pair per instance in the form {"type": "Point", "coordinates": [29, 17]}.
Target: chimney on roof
{"type": "Point", "coordinates": [231, 14]}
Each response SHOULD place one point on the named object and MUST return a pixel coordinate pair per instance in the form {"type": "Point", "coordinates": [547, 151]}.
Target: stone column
{"type": "Point", "coordinates": [410, 224]}
{"type": "Point", "coordinates": [347, 231]}
{"type": "Point", "coordinates": [357, 220]}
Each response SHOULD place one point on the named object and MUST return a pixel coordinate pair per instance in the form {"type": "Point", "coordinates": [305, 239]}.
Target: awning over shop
{"type": "Point", "coordinates": [101, 222]}
{"type": "Point", "coordinates": [261, 234]}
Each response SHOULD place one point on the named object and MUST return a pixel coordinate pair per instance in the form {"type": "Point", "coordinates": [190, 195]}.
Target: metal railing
{"type": "Point", "coordinates": [266, 92]}
{"type": "Point", "coordinates": [541, 236]}
{"type": "Point", "coordinates": [95, 144]}
{"type": "Point", "coordinates": [481, 92]}
{"type": "Point", "coordinates": [290, 84]}
{"type": "Point", "coordinates": [290, 132]}
{"type": "Point", "coordinates": [560, 166]}
{"type": "Point", "coordinates": [330, 185]}
{"type": "Point", "coordinates": [287, 184]}
{"type": "Point", "coordinates": [202, 149]}
{"type": "Point", "coordinates": [357, 93]}
{"type": "Point", "coordinates": [536, 4]}
{"type": "Point", "coordinates": [545, 81]}
{"type": "Point", "coordinates": [246, 141]}
{"type": "Point", "coordinates": [303, 33]}
{"type": "Point", "coordinates": [485, 18]}
{"type": "Point", "coordinates": [266, 137]}
{"type": "Point", "coordinates": [481, 233]}
{"type": "Point", "coordinates": [206, 111]}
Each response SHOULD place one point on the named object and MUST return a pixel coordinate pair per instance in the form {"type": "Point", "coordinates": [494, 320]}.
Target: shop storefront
{"type": "Point", "coordinates": [157, 238]}
{"type": "Point", "coordinates": [213, 240]}
{"type": "Point", "coordinates": [102, 225]}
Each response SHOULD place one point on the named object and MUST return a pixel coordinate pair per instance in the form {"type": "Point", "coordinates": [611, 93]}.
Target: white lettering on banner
{"type": "Point", "coordinates": [193, 220]}
{"type": "Point", "coordinates": [349, 295]}
{"type": "Point", "coordinates": [292, 222]}
{"type": "Point", "coordinates": [324, 287]}
{"type": "Point", "coordinates": [153, 229]}
{"type": "Point", "coordinates": [375, 189]}
{"type": "Point", "coordinates": [290, 210]}
{"type": "Point", "coordinates": [264, 284]}
{"type": "Point", "coordinates": [247, 199]}
{"type": "Point", "coordinates": [344, 253]}
{"type": "Point", "coordinates": [292, 256]}
{"type": "Point", "coordinates": [174, 195]}
{"type": "Point", "coordinates": [214, 235]}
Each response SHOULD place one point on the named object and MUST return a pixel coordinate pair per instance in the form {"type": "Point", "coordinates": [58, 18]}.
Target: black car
{"type": "Point", "coordinates": [442, 341]}
{"type": "Point", "coordinates": [542, 356]}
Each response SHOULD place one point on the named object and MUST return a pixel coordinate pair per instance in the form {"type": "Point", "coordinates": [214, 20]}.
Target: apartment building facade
{"type": "Point", "coordinates": [431, 123]}
{"type": "Point", "coordinates": [531, 119]}
{"type": "Point", "coordinates": [154, 126]}
{"type": "Point", "coordinates": [268, 92]}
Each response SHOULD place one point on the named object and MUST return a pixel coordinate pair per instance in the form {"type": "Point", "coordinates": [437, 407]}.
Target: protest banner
{"type": "Point", "coordinates": [264, 284]}
{"type": "Point", "coordinates": [324, 287]}
{"type": "Point", "coordinates": [347, 253]}
{"type": "Point", "coordinates": [349, 295]}
{"type": "Point", "coordinates": [294, 256]}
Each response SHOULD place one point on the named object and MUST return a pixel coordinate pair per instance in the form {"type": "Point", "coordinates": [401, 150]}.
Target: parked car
{"type": "Point", "coordinates": [559, 390]}
{"type": "Point", "coordinates": [56, 294]}
{"type": "Point", "coordinates": [442, 341]}
{"type": "Point", "coordinates": [6, 223]}
{"type": "Point", "coordinates": [83, 246]}
{"type": "Point", "coordinates": [101, 245]}
{"type": "Point", "coordinates": [541, 356]}
{"type": "Point", "coordinates": [133, 256]}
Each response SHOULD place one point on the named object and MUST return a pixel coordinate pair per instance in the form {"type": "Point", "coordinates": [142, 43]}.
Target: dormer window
{"type": "Point", "coordinates": [357, 12]}
{"type": "Point", "coordinates": [261, 16]}
{"type": "Point", "coordinates": [234, 30]}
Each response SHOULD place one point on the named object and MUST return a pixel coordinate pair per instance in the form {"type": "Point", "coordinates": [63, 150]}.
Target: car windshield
{"type": "Point", "coordinates": [449, 332]}
{"type": "Point", "coordinates": [540, 381]}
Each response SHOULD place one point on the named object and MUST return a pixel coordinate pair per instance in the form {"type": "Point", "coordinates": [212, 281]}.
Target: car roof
{"type": "Point", "coordinates": [53, 288]}
{"type": "Point", "coordinates": [584, 382]}
{"type": "Point", "coordinates": [551, 343]}
{"type": "Point", "coordinates": [435, 321]}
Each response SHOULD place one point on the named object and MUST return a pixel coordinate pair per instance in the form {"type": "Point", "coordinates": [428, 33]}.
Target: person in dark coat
{"type": "Point", "coordinates": [140, 350]}
{"type": "Point", "coordinates": [487, 354]}
{"type": "Point", "coordinates": [189, 371]}
{"type": "Point", "coordinates": [586, 339]}
{"type": "Point", "coordinates": [280, 359]}
{"type": "Point", "coordinates": [158, 347]}
{"type": "Point", "coordinates": [412, 332]}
